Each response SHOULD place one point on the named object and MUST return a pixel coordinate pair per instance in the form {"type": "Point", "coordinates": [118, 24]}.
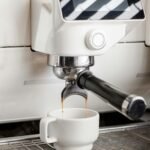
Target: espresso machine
{"type": "Point", "coordinates": [73, 32]}
{"type": "Point", "coordinates": [51, 49]}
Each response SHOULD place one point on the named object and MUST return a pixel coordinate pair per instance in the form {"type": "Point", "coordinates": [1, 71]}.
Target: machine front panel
{"type": "Point", "coordinates": [101, 9]}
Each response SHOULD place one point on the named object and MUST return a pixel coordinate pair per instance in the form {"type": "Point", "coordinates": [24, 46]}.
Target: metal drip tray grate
{"type": "Point", "coordinates": [25, 135]}
{"type": "Point", "coordinates": [32, 144]}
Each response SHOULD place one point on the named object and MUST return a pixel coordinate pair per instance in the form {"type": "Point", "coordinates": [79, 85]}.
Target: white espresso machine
{"type": "Point", "coordinates": [76, 31]}
{"type": "Point", "coordinates": [50, 50]}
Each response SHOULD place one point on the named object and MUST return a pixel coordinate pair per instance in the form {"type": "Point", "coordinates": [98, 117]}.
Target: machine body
{"type": "Point", "coordinates": [82, 28]}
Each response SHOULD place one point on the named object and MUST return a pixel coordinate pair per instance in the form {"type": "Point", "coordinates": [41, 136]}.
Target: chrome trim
{"type": "Point", "coordinates": [73, 89]}
{"type": "Point", "coordinates": [129, 100]}
{"type": "Point", "coordinates": [65, 73]}
{"type": "Point", "coordinates": [18, 138]}
{"type": "Point", "coordinates": [124, 127]}
{"type": "Point", "coordinates": [22, 143]}
{"type": "Point", "coordinates": [71, 62]}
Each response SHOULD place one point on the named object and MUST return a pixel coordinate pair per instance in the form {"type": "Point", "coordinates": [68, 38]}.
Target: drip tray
{"type": "Point", "coordinates": [25, 135]}
{"type": "Point", "coordinates": [115, 119]}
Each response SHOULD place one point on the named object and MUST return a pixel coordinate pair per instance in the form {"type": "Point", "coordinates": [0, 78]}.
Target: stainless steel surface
{"type": "Point", "coordinates": [69, 67]}
{"type": "Point", "coordinates": [26, 144]}
{"type": "Point", "coordinates": [67, 73]}
{"type": "Point", "coordinates": [18, 138]}
{"type": "Point", "coordinates": [73, 62]}
{"type": "Point", "coordinates": [124, 127]}
{"type": "Point", "coordinates": [73, 89]}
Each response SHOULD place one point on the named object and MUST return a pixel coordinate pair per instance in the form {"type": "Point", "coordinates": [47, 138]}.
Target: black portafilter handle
{"type": "Point", "coordinates": [132, 106]}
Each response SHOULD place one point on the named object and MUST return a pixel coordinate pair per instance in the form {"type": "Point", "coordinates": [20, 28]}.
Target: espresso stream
{"type": "Point", "coordinates": [85, 106]}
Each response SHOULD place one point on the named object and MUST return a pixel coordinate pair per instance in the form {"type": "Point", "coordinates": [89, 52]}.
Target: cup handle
{"type": "Point", "coordinates": [44, 130]}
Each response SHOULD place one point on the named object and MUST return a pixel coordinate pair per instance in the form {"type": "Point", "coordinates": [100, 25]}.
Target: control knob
{"type": "Point", "coordinates": [95, 40]}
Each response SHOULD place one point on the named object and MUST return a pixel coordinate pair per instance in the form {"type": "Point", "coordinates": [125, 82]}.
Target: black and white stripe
{"type": "Point", "coordinates": [101, 9]}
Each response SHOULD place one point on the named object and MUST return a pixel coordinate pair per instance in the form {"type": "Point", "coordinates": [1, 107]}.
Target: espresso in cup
{"type": "Point", "coordinates": [73, 131]}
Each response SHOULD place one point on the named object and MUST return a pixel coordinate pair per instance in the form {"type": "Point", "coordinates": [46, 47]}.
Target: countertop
{"type": "Point", "coordinates": [135, 139]}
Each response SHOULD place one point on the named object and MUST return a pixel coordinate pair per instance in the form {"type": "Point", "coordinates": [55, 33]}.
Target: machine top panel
{"type": "Point", "coordinates": [101, 9]}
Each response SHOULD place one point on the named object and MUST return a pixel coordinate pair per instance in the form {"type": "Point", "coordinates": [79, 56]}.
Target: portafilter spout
{"type": "Point", "coordinates": [72, 88]}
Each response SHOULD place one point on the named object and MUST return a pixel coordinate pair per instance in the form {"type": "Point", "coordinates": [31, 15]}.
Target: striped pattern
{"type": "Point", "coordinates": [101, 9]}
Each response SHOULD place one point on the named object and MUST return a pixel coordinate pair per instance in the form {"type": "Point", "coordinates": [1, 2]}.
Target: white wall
{"type": "Point", "coordinates": [14, 23]}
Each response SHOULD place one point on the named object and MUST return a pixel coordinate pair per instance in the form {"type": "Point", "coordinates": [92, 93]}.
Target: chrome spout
{"type": "Point", "coordinates": [72, 88]}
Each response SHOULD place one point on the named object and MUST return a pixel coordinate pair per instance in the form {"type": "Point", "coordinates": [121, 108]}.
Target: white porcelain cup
{"type": "Point", "coordinates": [74, 129]}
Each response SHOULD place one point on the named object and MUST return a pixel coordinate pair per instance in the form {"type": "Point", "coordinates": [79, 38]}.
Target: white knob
{"type": "Point", "coordinates": [95, 40]}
